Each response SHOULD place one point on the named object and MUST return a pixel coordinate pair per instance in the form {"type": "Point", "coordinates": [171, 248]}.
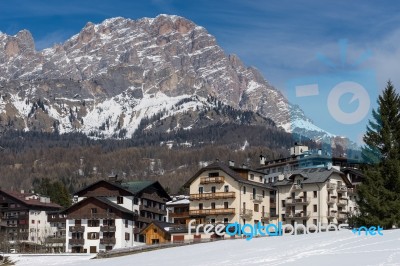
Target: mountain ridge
{"type": "Point", "coordinates": [110, 76]}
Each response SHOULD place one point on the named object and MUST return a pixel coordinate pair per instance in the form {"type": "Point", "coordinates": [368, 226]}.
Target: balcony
{"type": "Point", "coordinates": [341, 202]}
{"type": "Point", "coordinates": [107, 228]}
{"type": "Point", "coordinates": [92, 216]}
{"type": "Point", "coordinates": [179, 215]}
{"type": "Point", "coordinates": [342, 216]}
{"type": "Point", "coordinates": [330, 186]}
{"type": "Point", "coordinates": [77, 228]}
{"type": "Point", "coordinates": [152, 209]}
{"type": "Point", "coordinates": [265, 217]}
{"type": "Point", "coordinates": [108, 241]}
{"type": "Point", "coordinates": [153, 197]}
{"type": "Point", "coordinates": [210, 180]}
{"type": "Point", "coordinates": [352, 190]}
{"type": "Point", "coordinates": [297, 187]}
{"type": "Point", "coordinates": [272, 204]}
{"type": "Point", "coordinates": [145, 219]}
{"type": "Point", "coordinates": [246, 213]}
{"type": "Point", "coordinates": [298, 201]}
{"type": "Point", "coordinates": [217, 195]}
{"type": "Point", "coordinates": [205, 212]}
{"type": "Point", "coordinates": [257, 198]}
{"type": "Point", "coordinates": [136, 230]}
{"type": "Point", "coordinates": [331, 215]}
{"type": "Point", "coordinates": [342, 189]}
{"type": "Point", "coordinates": [298, 215]}
{"type": "Point", "coordinates": [55, 240]}
{"type": "Point", "coordinates": [76, 242]}
{"type": "Point", "coordinates": [331, 200]}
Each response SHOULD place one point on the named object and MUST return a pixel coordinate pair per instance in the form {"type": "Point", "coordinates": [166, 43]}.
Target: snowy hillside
{"type": "Point", "coordinates": [332, 248]}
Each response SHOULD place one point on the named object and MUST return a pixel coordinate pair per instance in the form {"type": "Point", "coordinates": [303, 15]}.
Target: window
{"type": "Point", "coordinates": [283, 203]}
{"type": "Point", "coordinates": [33, 221]}
{"type": "Point", "coordinates": [120, 200]}
{"type": "Point", "coordinates": [200, 206]}
{"type": "Point", "coordinates": [92, 235]}
{"type": "Point", "coordinates": [213, 205]}
{"type": "Point", "coordinates": [315, 208]}
{"type": "Point", "coordinates": [214, 174]}
{"type": "Point", "coordinates": [38, 221]}
{"type": "Point", "coordinates": [251, 177]}
{"type": "Point", "coordinates": [263, 193]}
{"type": "Point", "coordinates": [226, 205]}
{"type": "Point", "coordinates": [226, 220]}
{"type": "Point", "coordinates": [254, 193]}
{"type": "Point", "coordinates": [212, 221]}
{"type": "Point", "coordinates": [256, 207]}
{"type": "Point", "coordinates": [126, 223]}
{"type": "Point", "coordinates": [213, 189]}
{"type": "Point", "coordinates": [261, 179]}
{"type": "Point", "coordinates": [93, 223]}
{"type": "Point", "coordinates": [315, 194]}
{"type": "Point", "coordinates": [244, 190]}
{"type": "Point", "coordinates": [315, 221]}
{"type": "Point", "coordinates": [226, 188]}
{"type": "Point", "coordinates": [127, 236]}
{"type": "Point", "coordinates": [201, 190]}
{"type": "Point", "coordinates": [155, 230]}
{"type": "Point", "coordinates": [135, 201]}
{"type": "Point", "coordinates": [93, 210]}
{"type": "Point", "coordinates": [299, 182]}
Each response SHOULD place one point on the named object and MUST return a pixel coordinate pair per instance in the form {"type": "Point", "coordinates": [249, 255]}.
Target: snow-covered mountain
{"type": "Point", "coordinates": [107, 78]}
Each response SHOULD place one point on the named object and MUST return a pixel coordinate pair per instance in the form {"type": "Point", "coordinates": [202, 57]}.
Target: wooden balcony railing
{"type": "Point", "coordinates": [153, 197]}
{"type": "Point", "coordinates": [92, 216]}
{"type": "Point", "coordinates": [77, 228]}
{"type": "Point", "coordinates": [144, 219]}
{"type": "Point", "coordinates": [179, 214]}
{"type": "Point", "coordinates": [76, 242]}
{"type": "Point", "coordinates": [211, 211]}
{"type": "Point", "coordinates": [55, 239]}
{"type": "Point", "coordinates": [107, 228]}
{"type": "Point", "coordinates": [342, 188]}
{"type": "Point", "coordinates": [208, 180]}
{"type": "Point", "coordinates": [107, 240]}
{"type": "Point", "coordinates": [152, 209]}
{"type": "Point", "coordinates": [217, 195]}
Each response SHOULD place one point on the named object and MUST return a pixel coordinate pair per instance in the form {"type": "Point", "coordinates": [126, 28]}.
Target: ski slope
{"type": "Point", "coordinates": [332, 248]}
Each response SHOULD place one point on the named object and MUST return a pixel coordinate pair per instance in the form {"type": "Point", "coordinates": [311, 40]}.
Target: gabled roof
{"type": "Point", "coordinates": [132, 187]}
{"type": "Point", "coordinates": [166, 227]}
{"type": "Point", "coordinates": [32, 203]}
{"type": "Point", "coordinates": [228, 170]}
{"type": "Point", "coordinates": [103, 200]}
{"type": "Point", "coordinates": [312, 175]}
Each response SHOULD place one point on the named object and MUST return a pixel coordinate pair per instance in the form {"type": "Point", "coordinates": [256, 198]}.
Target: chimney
{"type": "Point", "coordinates": [231, 163]}
{"type": "Point", "coordinates": [281, 177]}
{"type": "Point", "coordinates": [22, 191]}
{"type": "Point", "coordinates": [262, 160]}
{"type": "Point", "coordinates": [329, 166]}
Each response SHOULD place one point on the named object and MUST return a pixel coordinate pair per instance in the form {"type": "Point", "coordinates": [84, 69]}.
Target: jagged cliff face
{"type": "Point", "coordinates": [106, 79]}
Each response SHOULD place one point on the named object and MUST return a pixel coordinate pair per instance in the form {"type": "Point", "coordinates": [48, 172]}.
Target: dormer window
{"type": "Point", "coordinates": [299, 182]}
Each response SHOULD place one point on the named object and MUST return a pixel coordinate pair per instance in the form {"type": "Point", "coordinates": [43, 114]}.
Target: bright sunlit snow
{"type": "Point", "coordinates": [332, 248]}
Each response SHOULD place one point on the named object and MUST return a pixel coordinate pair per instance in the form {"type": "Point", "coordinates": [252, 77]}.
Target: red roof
{"type": "Point", "coordinates": [30, 202]}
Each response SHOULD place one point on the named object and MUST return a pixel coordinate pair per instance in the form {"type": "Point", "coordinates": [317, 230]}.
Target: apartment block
{"type": "Point", "coordinates": [221, 193]}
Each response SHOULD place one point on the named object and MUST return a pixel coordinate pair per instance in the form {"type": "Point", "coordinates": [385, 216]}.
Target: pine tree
{"type": "Point", "coordinates": [379, 194]}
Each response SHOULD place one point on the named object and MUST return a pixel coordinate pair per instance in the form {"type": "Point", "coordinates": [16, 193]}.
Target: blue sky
{"type": "Point", "coordinates": [280, 38]}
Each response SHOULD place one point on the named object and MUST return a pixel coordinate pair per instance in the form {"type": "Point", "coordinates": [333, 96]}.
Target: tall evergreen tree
{"type": "Point", "coordinates": [379, 194]}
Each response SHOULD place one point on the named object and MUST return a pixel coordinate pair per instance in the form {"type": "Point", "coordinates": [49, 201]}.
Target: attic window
{"type": "Point", "coordinates": [299, 182]}
{"type": "Point", "coordinates": [120, 200]}
{"type": "Point", "coordinates": [213, 174]}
